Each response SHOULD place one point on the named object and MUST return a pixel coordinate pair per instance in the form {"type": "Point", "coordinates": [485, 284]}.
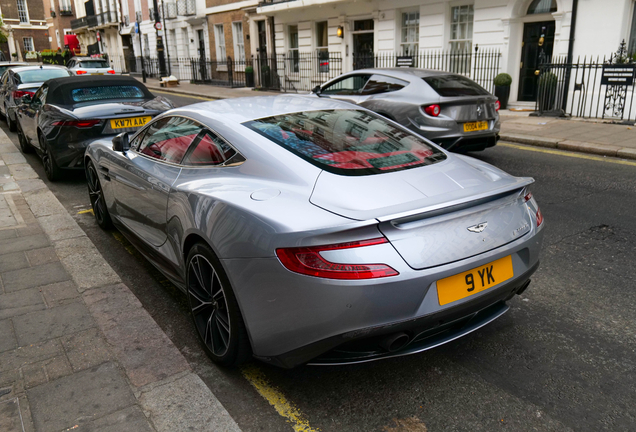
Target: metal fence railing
{"type": "Point", "coordinates": [295, 72]}
{"type": "Point", "coordinates": [481, 66]}
{"type": "Point", "coordinates": [591, 87]}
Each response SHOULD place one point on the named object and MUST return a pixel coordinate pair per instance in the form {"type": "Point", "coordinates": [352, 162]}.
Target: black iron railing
{"type": "Point", "coordinates": [295, 71]}
{"type": "Point", "coordinates": [481, 65]}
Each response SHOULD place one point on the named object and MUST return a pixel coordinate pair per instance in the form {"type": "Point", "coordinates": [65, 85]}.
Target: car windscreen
{"type": "Point", "coordinates": [94, 64]}
{"type": "Point", "coordinates": [455, 85]}
{"type": "Point", "coordinates": [347, 142]}
{"type": "Point", "coordinates": [40, 75]}
{"type": "Point", "coordinates": [90, 94]}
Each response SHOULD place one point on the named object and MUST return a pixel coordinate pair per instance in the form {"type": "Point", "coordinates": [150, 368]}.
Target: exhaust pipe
{"type": "Point", "coordinates": [395, 342]}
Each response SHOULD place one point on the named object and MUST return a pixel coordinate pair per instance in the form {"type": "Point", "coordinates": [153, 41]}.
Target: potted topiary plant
{"type": "Point", "coordinates": [547, 91]}
{"type": "Point", "coordinates": [502, 89]}
{"type": "Point", "coordinates": [249, 76]}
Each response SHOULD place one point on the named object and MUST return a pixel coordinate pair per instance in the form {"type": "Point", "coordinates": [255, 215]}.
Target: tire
{"type": "Point", "coordinates": [214, 309]}
{"type": "Point", "coordinates": [10, 122]}
{"type": "Point", "coordinates": [51, 169]}
{"type": "Point", "coordinates": [96, 195]}
{"type": "Point", "coordinates": [25, 147]}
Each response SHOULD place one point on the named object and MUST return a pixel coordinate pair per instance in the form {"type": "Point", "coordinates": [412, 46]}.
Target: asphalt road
{"type": "Point", "coordinates": [562, 358]}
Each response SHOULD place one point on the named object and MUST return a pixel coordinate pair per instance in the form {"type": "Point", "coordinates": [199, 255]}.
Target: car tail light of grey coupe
{"type": "Point", "coordinates": [66, 114]}
{"type": "Point", "coordinates": [307, 230]}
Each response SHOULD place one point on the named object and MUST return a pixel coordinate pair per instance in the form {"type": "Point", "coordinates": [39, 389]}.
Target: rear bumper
{"type": "Point", "coordinates": [424, 333]}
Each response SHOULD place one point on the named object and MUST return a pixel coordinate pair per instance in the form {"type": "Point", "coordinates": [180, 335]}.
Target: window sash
{"type": "Point", "coordinates": [28, 44]}
{"type": "Point", "coordinates": [237, 37]}
{"type": "Point", "coordinates": [220, 42]}
{"type": "Point", "coordinates": [462, 26]}
{"type": "Point", "coordinates": [23, 11]}
{"type": "Point", "coordinates": [409, 42]}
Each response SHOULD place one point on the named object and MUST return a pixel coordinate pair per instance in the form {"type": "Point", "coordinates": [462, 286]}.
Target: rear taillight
{"type": "Point", "coordinates": [76, 123]}
{"type": "Point", "coordinates": [539, 217]}
{"type": "Point", "coordinates": [111, 72]}
{"type": "Point", "coordinates": [17, 94]}
{"type": "Point", "coordinates": [81, 72]}
{"type": "Point", "coordinates": [308, 261]}
{"type": "Point", "coordinates": [432, 110]}
{"type": "Point", "coordinates": [497, 105]}
{"type": "Point", "coordinates": [527, 197]}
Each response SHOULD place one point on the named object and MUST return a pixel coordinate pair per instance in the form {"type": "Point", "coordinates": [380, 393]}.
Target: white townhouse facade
{"type": "Point", "coordinates": [97, 26]}
{"type": "Point", "coordinates": [517, 29]}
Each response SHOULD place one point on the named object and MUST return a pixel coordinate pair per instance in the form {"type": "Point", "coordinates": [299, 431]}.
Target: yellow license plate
{"type": "Point", "coordinates": [97, 73]}
{"type": "Point", "coordinates": [473, 281]}
{"type": "Point", "coordinates": [475, 126]}
{"type": "Point", "coordinates": [131, 122]}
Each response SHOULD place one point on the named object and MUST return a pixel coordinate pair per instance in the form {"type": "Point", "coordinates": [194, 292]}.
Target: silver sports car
{"type": "Point", "coordinates": [449, 109]}
{"type": "Point", "coordinates": [307, 230]}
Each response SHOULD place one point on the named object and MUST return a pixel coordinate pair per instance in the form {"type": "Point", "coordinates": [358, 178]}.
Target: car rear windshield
{"type": "Point", "coordinates": [40, 75]}
{"type": "Point", "coordinates": [94, 64]}
{"type": "Point", "coordinates": [89, 94]}
{"type": "Point", "coordinates": [347, 142]}
{"type": "Point", "coordinates": [455, 85]}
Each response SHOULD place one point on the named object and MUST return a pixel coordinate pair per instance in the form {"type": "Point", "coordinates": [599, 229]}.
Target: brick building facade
{"type": "Point", "coordinates": [59, 14]}
{"type": "Point", "coordinates": [25, 25]}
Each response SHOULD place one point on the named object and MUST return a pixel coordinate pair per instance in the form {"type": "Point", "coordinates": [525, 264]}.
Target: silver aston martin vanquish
{"type": "Point", "coordinates": [307, 230]}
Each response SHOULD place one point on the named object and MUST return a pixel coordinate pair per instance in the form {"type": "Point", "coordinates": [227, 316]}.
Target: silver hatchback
{"type": "Point", "coordinates": [449, 109]}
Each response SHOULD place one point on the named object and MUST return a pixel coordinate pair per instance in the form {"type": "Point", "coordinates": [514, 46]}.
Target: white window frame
{"type": "Point", "coordinates": [322, 48]}
{"type": "Point", "coordinates": [292, 50]}
{"type": "Point", "coordinates": [404, 43]}
{"type": "Point", "coordinates": [469, 25]}
{"type": "Point", "coordinates": [219, 44]}
{"type": "Point", "coordinates": [239, 43]}
{"type": "Point", "coordinates": [24, 43]}
{"type": "Point", "coordinates": [25, 11]}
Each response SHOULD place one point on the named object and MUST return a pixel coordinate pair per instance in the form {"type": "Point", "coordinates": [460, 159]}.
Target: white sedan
{"type": "Point", "coordinates": [89, 66]}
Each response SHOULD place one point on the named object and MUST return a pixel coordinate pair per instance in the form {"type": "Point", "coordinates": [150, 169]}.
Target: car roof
{"type": "Point", "coordinates": [60, 88]}
{"type": "Point", "coordinates": [404, 73]}
{"type": "Point", "coordinates": [244, 109]}
{"type": "Point", "coordinates": [11, 63]}
{"type": "Point", "coordinates": [87, 58]}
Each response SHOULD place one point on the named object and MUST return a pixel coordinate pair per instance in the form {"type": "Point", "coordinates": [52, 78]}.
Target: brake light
{"type": "Point", "coordinates": [111, 72]}
{"type": "Point", "coordinates": [308, 261]}
{"type": "Point", "coordinates": [539, 217]}
{"type": "Point", "coordinates": [497, 105]}
{"type": "Point", "coordinates": [81, 72]}
{"type": "Point", "coordinates": [432, 110]}
{"type": "Point", "coordinates": [528, 197]}
{"type": "Point", "coordinates": [17, 94]}
{"type": "Point", "coordinates": [76, 123]}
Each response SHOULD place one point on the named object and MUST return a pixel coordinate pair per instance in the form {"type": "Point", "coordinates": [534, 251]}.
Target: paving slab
{"type": "Point", "coordinates": [43, 203]}
{"type": "Point", "coordinates": [21, 356]}
{"type": "Point", "coordinates": [128, 419]}
{"type": "Point", "coordinates": [22, 172]}
{"type": "Point", "coordinates": [7, 336]}
{"type": "Point", "coordinates": [60, 227]}
{"type": "Point", "coordinates": [34, 276]}
{"type": "Point", "coordinates": [11, 245]}
{"type": "Point", "coordinates": [42, 256]}
{"type": "Point", "coordinates": [78, 256]}
{"type": "Point", "coordinates": [10, 416]}
{"type": "Point", "coordinates": [59, 293]}
{"type": "Point", "coordinates": [21, 302]}
{"type": "Point", "coordinates": [86, 349]}
{"type": "Point", "coordinates": [52, 323]}
{"type": "Point", "coordinates": [13, 261]}
{"type": "Point", "coordinates": [79, 398]}
{"type": "Point", "coordinates": [186, 404]}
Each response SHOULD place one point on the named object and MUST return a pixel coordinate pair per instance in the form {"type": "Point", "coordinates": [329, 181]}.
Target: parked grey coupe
{"type": "Point", "coordinates": [66, 114]}
{"type": "Point", "coordinates": [306, 230]}
{"type": "Point", "coordinates": [449, 109]}
{"type": "Point", "coordinates": [20, 81]}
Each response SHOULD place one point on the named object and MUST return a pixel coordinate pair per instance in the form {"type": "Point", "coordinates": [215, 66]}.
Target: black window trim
{"type": "Point", "coordinates": [191, 147]}
{"type": "Point", "coordinates": [406, 83]}
{"type": "Point", "coordinates": [342, 78]}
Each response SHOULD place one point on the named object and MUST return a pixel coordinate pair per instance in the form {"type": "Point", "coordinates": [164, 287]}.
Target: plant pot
{"type": "Point", "coordinates": [249, 79]}
{"type": "Point", "coordinates": [502, 93]}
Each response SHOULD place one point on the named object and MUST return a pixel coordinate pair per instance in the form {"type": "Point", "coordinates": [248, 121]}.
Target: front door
{"type": "Point", "coordinates": [538, 41]}
{"type": "Point", "coordinates": [363, 44]}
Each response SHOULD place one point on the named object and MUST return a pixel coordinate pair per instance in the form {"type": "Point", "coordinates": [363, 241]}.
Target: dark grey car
{"type": "Point", "coordinates": [66, 114]}
{"type": "Point", "coordinates": [449, 109]}
{"type": "Point", "coordinates": [20, 81]}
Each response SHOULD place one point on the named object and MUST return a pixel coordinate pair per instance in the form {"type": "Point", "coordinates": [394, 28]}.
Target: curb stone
{"type": "Point", "coordinates": [166, 390]}
{"type": "Point", "coordinates": [571, 145]}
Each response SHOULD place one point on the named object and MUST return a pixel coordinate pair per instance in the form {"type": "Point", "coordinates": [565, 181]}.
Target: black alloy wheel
{"type": "Point", "coordinates": [25, 147]}
{"type": "Point", "coordinates": [96, 195]}
{"type": "Point", "coordinates": [214, 309]}
{"type": "Point", "coordinates": [52, 171]}
{"type": "Point", "coordinates": [10, 121]}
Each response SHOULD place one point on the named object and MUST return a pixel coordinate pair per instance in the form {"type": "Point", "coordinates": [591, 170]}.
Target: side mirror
{"type": "Point", "coordinates": [121, 143]}
{"type": "Point", "coordinates": [26, 99]}
{"type": "Point", "coordinates": [316, 90]}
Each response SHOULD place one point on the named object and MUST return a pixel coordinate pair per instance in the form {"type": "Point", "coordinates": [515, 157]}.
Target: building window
{"type": "Point", "coordinates": [219, 36]}
{"type": "Point", "coordinates": [293, 48]}
{"type": "Point", "coordinates": [65, 7]}
{"type": "Point", "coordinates": [542, 6]}
{"type": "Point", "coordinates": [28, 44]}
{"type": "Point", "coordinates": [322, 46]}
{"type": "Point", "coordinates": [462, 28]}
{"type": "Point", "coordinates": [146, 51]}
{"type": "Point", "coordinates": [237, 37]}
{"type": "Point", "coordinates": [23, 12]}
{"type": "Point", "coordinates": [410, 33]}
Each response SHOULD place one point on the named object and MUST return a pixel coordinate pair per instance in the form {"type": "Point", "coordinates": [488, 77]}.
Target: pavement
{"type": "Point", "coordinates": [572, 134]}
{"type": "Point", "coordinates": [77, 349]}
